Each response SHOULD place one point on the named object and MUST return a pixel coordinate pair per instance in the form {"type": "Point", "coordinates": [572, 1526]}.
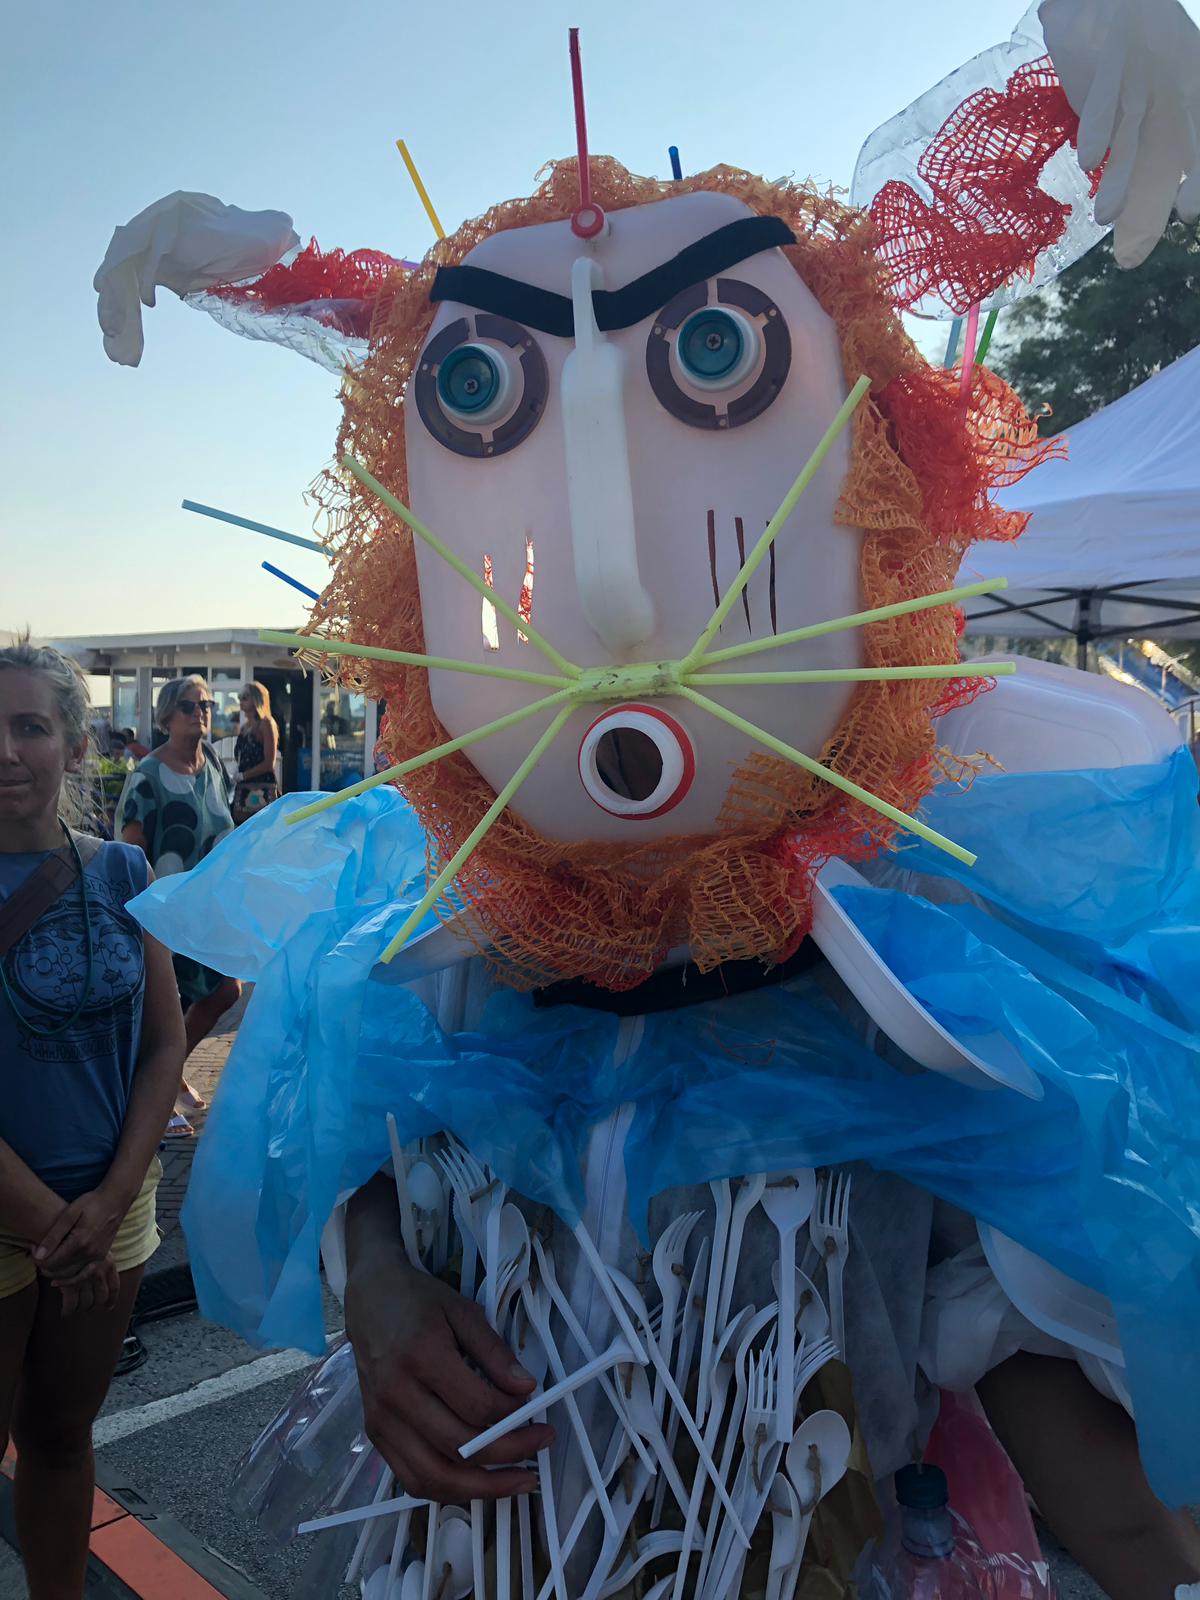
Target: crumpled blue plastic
{"type": "Point", "coordinates": [1102, 1177]}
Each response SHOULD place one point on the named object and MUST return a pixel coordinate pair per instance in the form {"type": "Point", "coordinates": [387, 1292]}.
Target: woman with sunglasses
{"type": "Point", "coordinates": [175, 807]}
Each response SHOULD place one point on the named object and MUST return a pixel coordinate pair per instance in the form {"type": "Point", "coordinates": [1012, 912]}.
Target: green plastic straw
{"type": "Point", "coordinates": [367, 652]}
{"type": "Point", "coordinates": [455, 864]}
{"type": "Point", "coordinates": [790, 753]}
{"type": "Point", "coordinates": [415, 763]}
{"type": "Point", "coordinates": [989, 328]}
{"type": "Point", "coordinates": [754, 559]}
{"type": "Point", "coordinates": [853, 674]}
{"type": "Point", "coordinates": [859, 619]}
{"type": "Point", "coordinates": [460, 566]}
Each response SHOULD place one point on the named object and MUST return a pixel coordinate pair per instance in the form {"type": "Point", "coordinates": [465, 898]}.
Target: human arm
{"type": "Point", "coordinates": [433, 1373]}
{"type": "Point", "coordinates": [269, 735]}
{"type": "Point", "coordinates": [28, 1207]}
{"type": "Point", "coordinates": [83, 1231]}
{"type": "Point", "coordinates": [133, 833]}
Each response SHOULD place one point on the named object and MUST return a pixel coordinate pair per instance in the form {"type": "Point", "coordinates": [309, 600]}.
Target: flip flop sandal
{"type": "Point", "coordinates": [133, 1355]}
{"type": "Point", "coordinates": [194, 1102]}
{"type": "Point", "coordinates": [179, 1128]}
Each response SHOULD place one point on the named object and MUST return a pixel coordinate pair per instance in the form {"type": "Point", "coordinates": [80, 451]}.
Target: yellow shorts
{"type": "Point", "coordinates": [136, 1241]}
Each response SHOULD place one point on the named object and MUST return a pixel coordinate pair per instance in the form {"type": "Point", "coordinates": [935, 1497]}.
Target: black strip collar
{"type": "Point", "coordinates": [615, 308]}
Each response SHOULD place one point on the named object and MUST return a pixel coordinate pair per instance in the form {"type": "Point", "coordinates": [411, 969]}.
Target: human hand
{"type": "Point", "coordinates": [413, 1338]}
{"type": "Point", "coordinates": [1131, 70]}
{"type": "Point", "coordinates": [81, 1235]}
{"type": "Point", "coordinates": [95, 1287]}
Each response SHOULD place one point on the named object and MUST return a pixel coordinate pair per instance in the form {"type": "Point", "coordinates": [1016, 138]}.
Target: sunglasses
{"type": "Point", "coordinates": [189, 706]}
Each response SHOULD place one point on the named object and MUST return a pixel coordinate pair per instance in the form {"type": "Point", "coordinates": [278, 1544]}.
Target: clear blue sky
{"type": "Point", "coordinates": [297, 106]}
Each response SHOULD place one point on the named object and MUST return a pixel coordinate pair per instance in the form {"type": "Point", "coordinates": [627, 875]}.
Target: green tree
{"type": "Point", "coordinates": [1099, 331]}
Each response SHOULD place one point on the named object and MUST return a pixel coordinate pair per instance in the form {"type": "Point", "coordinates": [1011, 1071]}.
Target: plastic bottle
{"type": "Point", "coordinates": [930, 1554]}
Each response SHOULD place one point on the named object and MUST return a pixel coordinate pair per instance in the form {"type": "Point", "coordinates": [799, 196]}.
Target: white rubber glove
{"type": "Point", "coordinates": [1131, 70]}
{"type": "Point", "coordinates": [182, 242]}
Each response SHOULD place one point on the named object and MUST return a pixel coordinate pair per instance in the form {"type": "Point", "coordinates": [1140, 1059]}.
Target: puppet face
{"type": "Point", "coordinates": [607, 480]}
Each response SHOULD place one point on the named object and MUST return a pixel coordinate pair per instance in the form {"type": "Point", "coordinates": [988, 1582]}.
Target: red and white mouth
{"type": "Point", "coordinates": [636, 762]}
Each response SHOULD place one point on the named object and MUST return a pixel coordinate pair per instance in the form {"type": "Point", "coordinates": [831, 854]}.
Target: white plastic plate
{"type": "Point", "coordinates": [1049, 718]}
{"type": "Point", "coordinates": [1053, 1302]}
{"type": "Point", "coordinates": [892, 1008]}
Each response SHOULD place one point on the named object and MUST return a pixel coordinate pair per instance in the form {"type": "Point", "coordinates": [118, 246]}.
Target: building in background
{"type": "Point", "coordinates": [326, 735]}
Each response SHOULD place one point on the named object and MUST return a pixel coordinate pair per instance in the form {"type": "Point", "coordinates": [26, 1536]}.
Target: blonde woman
{"type": "Point", "coordinates": [91, 1049]}
{"type": "Point", "coordinates": [256, 751]}
{"type": "Point", "coordinates": [174, 806]}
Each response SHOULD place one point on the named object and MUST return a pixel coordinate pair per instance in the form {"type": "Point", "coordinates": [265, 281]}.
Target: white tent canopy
{"type": "Point", "coordinates": [1113, 543]}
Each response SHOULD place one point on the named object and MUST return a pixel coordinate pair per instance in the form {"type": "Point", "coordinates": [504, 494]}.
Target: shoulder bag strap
{"type": "Point", "coordinates": [41, 889]}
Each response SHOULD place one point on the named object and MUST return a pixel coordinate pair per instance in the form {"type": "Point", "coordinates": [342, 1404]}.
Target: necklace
{"type": "Point", "coordinates": [36, 1028]}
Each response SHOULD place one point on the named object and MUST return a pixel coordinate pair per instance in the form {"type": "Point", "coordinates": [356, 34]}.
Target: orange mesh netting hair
{"type": "Point", "coordinates": [923, 464]}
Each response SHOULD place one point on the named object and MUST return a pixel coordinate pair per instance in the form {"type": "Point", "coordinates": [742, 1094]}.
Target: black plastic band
{"type": "Point", "coordinates": [615, 308]}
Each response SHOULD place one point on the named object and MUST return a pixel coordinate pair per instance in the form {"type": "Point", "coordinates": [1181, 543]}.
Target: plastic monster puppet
{"type": "Point", "coordinates": [649, 695]}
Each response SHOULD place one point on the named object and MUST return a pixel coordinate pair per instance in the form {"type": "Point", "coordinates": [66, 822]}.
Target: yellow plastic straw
{"type": "Point", "coordinates": [414, 763]}
{"type": "Point", "coordinates": [790, 753]}
{"type": "Point", "coordinates": [420, 188]}
{"type": "Point", "coordinates": [490, 595]}
{"type": "Point", "coordinates": [854, 674]}
{"type": "Point", "coordinates": [859, 619]}
{"type": "Point", "coordinates": [752, 561]}
{"type": "Point", "coordinates": [454, 865]}
{"type": "Point", "coordinates": [367, 652]}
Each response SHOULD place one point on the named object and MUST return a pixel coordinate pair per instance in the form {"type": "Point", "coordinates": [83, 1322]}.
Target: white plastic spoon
{"type": "Point", "coordinates": [816, 1461]}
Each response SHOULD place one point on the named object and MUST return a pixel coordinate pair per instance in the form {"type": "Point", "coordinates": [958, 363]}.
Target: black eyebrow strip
{"type": "Point", "coordinates": [553, 313]}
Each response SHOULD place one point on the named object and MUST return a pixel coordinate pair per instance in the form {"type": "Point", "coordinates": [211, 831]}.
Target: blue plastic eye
{"type": "Point", "coordinates": [469, 380]}
{"type": "Point", "coordinates": [710, 345]}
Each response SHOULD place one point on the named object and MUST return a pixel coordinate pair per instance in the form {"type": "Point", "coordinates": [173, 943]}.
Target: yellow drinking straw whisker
{"type": "Point", "coordinates": [415, 763]}
{"type": "Point", "coordinates": [469, 844]}
{"type": "Point", "coordinates": [790, 753]}
{"type": "Point", "coordinates": [859, 619]}
{"type": "Point", "coordinates": [410, 658]}
{"type": "Point", "coordinates": [507, 611]}
{"type": "Point", "coordinates": [420, 188]}
{"type": "Point", "coordinates": [751, 564]}
{"type": "Point", "coordinates": [999, 669]}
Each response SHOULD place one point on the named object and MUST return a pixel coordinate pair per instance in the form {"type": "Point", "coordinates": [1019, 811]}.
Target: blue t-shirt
{"type": "Point", "coordinates": [63, 1099]}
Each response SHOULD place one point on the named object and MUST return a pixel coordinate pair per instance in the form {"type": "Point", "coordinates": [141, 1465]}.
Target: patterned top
{"type": "Point", "coordinates": [63, 1099]}
{"type": "Point", "coordinates": [249, 752]}
{"type": "Point", "coordinates": [183, 816]}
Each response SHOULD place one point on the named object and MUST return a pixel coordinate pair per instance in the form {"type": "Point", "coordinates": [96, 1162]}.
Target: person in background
{"type": "Point", "coordinates": [174, 806]}
{"type": "Point", "coordinates": [91, 1049]}
{"type": "Point", "coordinates": [133, 744]}
{"type": "Point", "coordinates": [256, 752]}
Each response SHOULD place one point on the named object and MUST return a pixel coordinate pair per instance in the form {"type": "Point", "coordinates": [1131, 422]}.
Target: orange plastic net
{"type": "Point", "coordinates": [923, 462]}
{"type": "Point", "coordinates": [989, 218]}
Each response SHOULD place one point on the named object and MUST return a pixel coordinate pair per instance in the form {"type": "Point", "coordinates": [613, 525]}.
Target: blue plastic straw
{"type": "Point", "coordinates": [287, 578]}
{"type": "Point", "coordinates": [676, 169]}
{"type": "Point", "coordinates": [254, 527]}
{"type": "Point", "coordinates": [952, 346]}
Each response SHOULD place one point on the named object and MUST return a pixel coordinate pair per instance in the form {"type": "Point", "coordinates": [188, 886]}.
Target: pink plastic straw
{"type": "Point", "coordinates": [968, 359]}
{"type": "Point", "coordinates": [585, 178]}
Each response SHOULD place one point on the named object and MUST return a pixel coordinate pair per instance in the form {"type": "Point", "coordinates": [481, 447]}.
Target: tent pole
{"type": "Point", "coordinates": [1083, 631]}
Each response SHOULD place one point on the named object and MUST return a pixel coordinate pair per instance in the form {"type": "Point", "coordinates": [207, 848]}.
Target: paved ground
{"type": "Point", "coordinates": [175, 1429]}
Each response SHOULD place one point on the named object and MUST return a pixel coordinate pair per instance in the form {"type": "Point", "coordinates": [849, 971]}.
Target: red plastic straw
{"type": "Point", "coordinates": [585, 179]}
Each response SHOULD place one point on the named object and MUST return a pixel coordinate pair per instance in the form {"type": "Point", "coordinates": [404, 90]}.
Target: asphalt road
{"type": "Point", "coordinates": [183, 1463]}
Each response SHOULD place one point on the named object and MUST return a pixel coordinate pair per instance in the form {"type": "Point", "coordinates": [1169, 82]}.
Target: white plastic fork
{"type": "Point", "coordinates": [741, 1361]}
{"type": "Point", "coordinates": [537, 1308]}
{"type": "Point", "coordinates": [723, 1203]}
{"type": "Point", "coordinates": [683, 1366]}
{"type": "Point", "coordinates": [612, 1391]}
{"type": "Point", "coordinates": [788, 1200]}
{"type": "Point", "coordinates": [761, 1455]}
{"type": "Point", "coordinates": [722, 1376]}
{"type": "Point", "coordinates": [668, 1273]}
{"type": "Point", "coordinates": [830, 1233]}
{"type": "Point", "coordinates": [748, 1196]}
{"type": "Point", "coordinates": [408, 1221]}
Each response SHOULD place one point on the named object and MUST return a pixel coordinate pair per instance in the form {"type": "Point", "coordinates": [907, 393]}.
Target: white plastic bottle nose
{"type": "Point", "coordinates": [599, 487]}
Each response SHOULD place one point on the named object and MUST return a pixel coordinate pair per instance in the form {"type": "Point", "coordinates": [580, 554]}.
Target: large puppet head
{"type": "Point", "coordinates": [601, 429]}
